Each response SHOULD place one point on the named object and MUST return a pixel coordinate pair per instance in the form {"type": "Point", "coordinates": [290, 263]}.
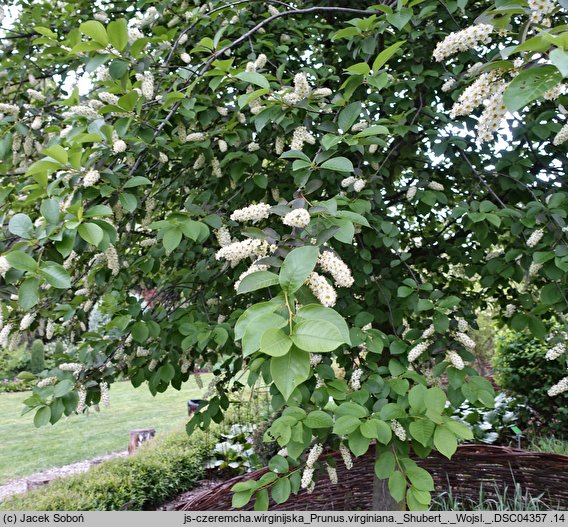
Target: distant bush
{"type": "Point", "coordinates": [522, 370]}
{"type": "Point", "coordinates": [37, 359]}
{"type": "Point", "coordinates": [13, 361]}
{"type": "Point", "coordinates": [158, 471]}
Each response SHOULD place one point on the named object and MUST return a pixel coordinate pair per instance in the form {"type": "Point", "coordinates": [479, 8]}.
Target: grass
{"type": "Point", "coordinates": [26, 449]}
{"type": "Point", "coordinates": [550, 444]}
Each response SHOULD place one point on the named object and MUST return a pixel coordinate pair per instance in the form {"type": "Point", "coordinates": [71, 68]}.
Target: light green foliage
{"type": "Point", "coordinates": [37, 356]}
{"type": "Point", "coordinates": [322, 145]}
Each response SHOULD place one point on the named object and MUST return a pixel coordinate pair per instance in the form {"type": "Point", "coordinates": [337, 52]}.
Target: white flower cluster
{"type": "Point", "coordinates": [322, 92]}
{"type": "Point", "coordinates": [358, 183]}
{"type": "Point", "coordinates": [82, 392]}
{"type": "Point", "coordinates": [91, 178]}
{"type": "Point", "coordinates": [249, 248]}
{"type": "Point", "coordinates": [428, 332]}
{"type": "Point", "coordinates": [534, 238]}
{"type": "Point", "coordinates": [118, 145]}
{"type": "Point", "coordinates": [417, 350]}
{"type": "Point", "coordinates": [463, 40]}
{"type": "Point", "coordinates": [356, 379]}
{"type": "Point", "coordinates": [253, 147]}
{"type": "Point", "coordinates": [112, 260]}
{"type": "Point", "coordinates": [534, 269]}
{"type": "Point", "coordinates": [307, 477]}
{"type": "Point", "coordinates": [361, 125]}
{"type": "Point", "coordinates": [556, 351]}
{"type": "Point", "coordinates": [398, 430]}
{"type": "Point", "coordinates": [475, 94]}
{"type": "Point", "coordinates": [253, 213]}
{"type": "Point", "coordinates": [315, 359]}
{"type": "Point", "coordinates": [10, 109]}
{"type": "Point", "coordinates": [279, 145]}
{"type": "Point", "coordinates": [301, 136]}
{"type": "Point", "coordinates": [558, 388]}
{"type": "Point", "coordinates": [448, 85]}
{"type": "Point", "coordinates": [301, 86]}
{"type": "Point", "coordinates": [272, 10]}
{"type": "Point", "coordinates": [322, 290]}
{"type": "Point", "coordinates": [455, 360]}
{"type": "Point", "coordinates": [48, 381]}
{"type": "Point", "coordinates": [50, 329]}
{"type": "Point", "coordinates": [5, 335]}
{"type": "Point", "coordinates": [434, 185]}
{"type": "Point", "coordinates": [195, 137]}
{"type": "Point", "coordinates": [540, 9]}
{"type": "Point", "coordinates": [163, 157]}
{"type": "Point", "coordinates": [494, 254]}
{"type": "Point", "coordinates": [332, 474]}
{"type": "Point", "coordinates": [463, 326]}
{"type": "Point", "coordinates": [493, 114]}
{"type": "Point", "coordinates": [222, 144]}
{"type": "Point", "coordinates": [185, 57]}
{"type": "Point", "coordinates": [337, 268]}
{"type": "Point", "coordinates": [105, 398]}
{"type": "Point", "coordinates": [147, 86]}
{"type": "Point", "coordinates": [199, 162]}
{"type": "Point", "coordinates": [561, 136]}
{"type": "Point", "coordinates": [142, 352]}
{"type": "Point", "coordinates": [299, 218]}
{"type": "Point", "coordinates": [554, 93]}
{"type": "Point", "coordinates": [35, 95]}
{"type": "Point", "coordinates": [465, 340]}
{"type": "Point", "coordinates": [74, 367]}
{"type": "Point", "coordinates": [27, 321]}
{"type": "Point", "coordinates": [108, 98]}
{"type": "Point", "coordinates": [223, 236]}
{"type": "Point", "coordinates": [216, 168]}
{"type": "Point", "coordinates": [346, 456]}
{"type": "Point", "coordinates": [252, 269]}
{"type": "Point", "coordinates": [81, 111]}
{"type": "Point", "coordinates": [411, 193]}
{"type": "Point", "coordinates": [510, 310]}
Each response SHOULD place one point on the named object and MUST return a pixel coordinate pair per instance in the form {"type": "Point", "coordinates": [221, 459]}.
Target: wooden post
{"type": "Point", "coordinates": [382, 500]}
{"type": "Point", "coordinates": [137, 437]}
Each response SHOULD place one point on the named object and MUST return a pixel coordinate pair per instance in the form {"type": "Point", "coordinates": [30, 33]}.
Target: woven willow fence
{"type": "Point", "coordinates": [472, 466]}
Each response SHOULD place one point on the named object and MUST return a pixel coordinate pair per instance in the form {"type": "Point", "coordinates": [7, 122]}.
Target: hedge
{"type": "Point", "coordinates": [158, 471]}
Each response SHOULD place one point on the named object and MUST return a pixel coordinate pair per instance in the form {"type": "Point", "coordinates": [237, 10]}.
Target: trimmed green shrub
{"type": "Point", "coordinates": [158, 471]}
{"type": "Point", "coordinates": [13, 361]}
{"type": "Point", "coordinates": [522, 370]}
{"type": "Point", "coordinates": [37, 361]}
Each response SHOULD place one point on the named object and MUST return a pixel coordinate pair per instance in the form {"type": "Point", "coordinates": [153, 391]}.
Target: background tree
{"type": "Point", "coordinates": [155, 157]}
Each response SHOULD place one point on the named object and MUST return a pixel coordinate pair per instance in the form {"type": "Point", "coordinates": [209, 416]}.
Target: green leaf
{"type": "Point", "coordinates": [385, 55]}
{"type": "Point", "coordinates": [257, 280]}
{"type": "Point", "coordinates": [56, 152]}
{"type": "Point", "coordinates": [275, 342]}
{"type": "Point", "coordinates": [376, 429]}
{"type": "Point", "coordinates": [255, 311]}
{"type": "Point", "coordinates": [172, 238]}
{"type": "Point", "coordinates": [91, 233]}
{"type": "Point", "coordinates": [550, 294]}
{"type": "Point", "coordinates": [346, 424]}
{"type": "Point", "coordinates": [358, 444]}
{"type": "Point", "coordinates": [290, 371]}
{"type": "Point", "coordinates": [63, 388]}
{"type": "Point", "coordinates": [21, 261]}
{"type": "Point", "coordinates": [338, 164]}
{"type": "Point", "coordinates": [128, 201]}
{"type": "Point", "coordinates": [397, 486]}
{"type": "Point", "coordinates": [318, 312]}
{"type": "Point", "coordinates": [28, 293]}
{"type": "Point", "coordinates": [256, 329]}
{"type": "Point", "coordinates": [166, 372]}
{"type": "Point", "coordinates": [50, 210]}
{"type": "Point", "coordinates": [95, 30]}
{"type": "Point", "coordinates": [240, 499]}
{"type": "Point", "coordinates": [375, 129]}
{"type": "Point", "coordinates": [140, 332]}
{"type": "Point", "coordinates": [400, 18]}
{"type": "Point", "coordinates": [318, 419]}
{"type": "Point", "coordinates": [281, 490]}
{"type": "Point", "coordinates": [137, 181]}
{"type": "Point", "coordinates": [348, 116]}
{"type": "Point", "coordinates": [419, 477]}
{"type": "Point", "coordinates": [253, 78]}
{"type": "Point", "coordinates": [297, 266]}
{"type": "Point", "coordinates": [317, 336]}
{"type": "Point", "coordinates": [384, 465]}
{"type": "Point", "coordinates": [416, 398]}
{"type": "Point", "coordinates": [559, 58]}
{"type": "Point", "coordinates": [56, 275]}
{"type": "Point", "coordinates": [530, 85]}
{"type": "Point", "coordinates": [261, 500]}
{"type": "Point", "coordinates": [278, 464]}
{"type": "Point", "coordinates": [460, 429]}
{"type": "Point", "coordinates": [445, 441]}
{"type": "Point", "coordinates": [42, 416]}
{"type": "Point", "coordinates": [435, 400]}
{"type": "Point", "coordinates": [21, 225]}
{"type": "Point", "coordinates": [98, 210]}
{"type": "Point", "coordinates": [422, 431]}
{"type": "Point", "coordinates": [118, 33]}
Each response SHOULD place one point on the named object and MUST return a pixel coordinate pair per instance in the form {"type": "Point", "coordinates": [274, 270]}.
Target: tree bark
{"type": "Point", "coordinates": [382, 500]}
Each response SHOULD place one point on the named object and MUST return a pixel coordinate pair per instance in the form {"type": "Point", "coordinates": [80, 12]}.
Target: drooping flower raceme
{"type": "Point", "coordinates": [534, 238]}
{"type": "Point", "coordinates": [249, 248]}
{"type": "Point", "coordinates": [558, 388]}
{"type": "Point", "coordinates": [322, 290]}
{"type": "Point", "coordinates": [463, 40]}
{"type": "Point", "coordinates": [417, 350]}
{"type": "Point", "coordinates": [253, 213]}
{"type": "Point", "coordinates": [556, 351]}
{"type": "Point", "coordinates": [337, 268]}
{"type": "Point", "coordinates": [299, 218]}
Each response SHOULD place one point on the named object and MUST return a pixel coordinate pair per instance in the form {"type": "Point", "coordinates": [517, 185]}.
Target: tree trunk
{"type": "Point", "coordinates": [382, 500]}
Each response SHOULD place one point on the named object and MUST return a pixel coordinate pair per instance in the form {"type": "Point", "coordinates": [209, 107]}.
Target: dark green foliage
{"type": "Point", "coordinates": [13, 361]}
{"type": "Point", "coordinates": [37, 361]}
{"type": "Point", "coordinates": [522, 370]}
{"type": "Point", "coordinates": [158, 471]}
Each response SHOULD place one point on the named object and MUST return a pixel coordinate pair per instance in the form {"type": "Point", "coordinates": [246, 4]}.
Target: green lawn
{"type": "Point", "coordinates": [26, 449]}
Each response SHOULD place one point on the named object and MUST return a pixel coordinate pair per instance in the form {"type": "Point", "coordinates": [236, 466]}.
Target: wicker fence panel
{"type": "Point", "coordinates": [472, 465]}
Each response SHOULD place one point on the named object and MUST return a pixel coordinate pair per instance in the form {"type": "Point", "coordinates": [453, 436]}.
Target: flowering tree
{"type": "Point", "coordinates": [296, 191]}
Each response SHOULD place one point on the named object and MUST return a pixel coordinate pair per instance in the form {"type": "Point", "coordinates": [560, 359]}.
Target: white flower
{"type": "Point", "coordinates": [27, 321]}
{"type": "Point", "coordinates": [540, 9]}
{"type": "Point", "coordinates": [561, 136]}
{"type": "Point", "coordinates": [359, 185]}
{"type": "Point", "coordinates": [105, 399]}
{"type": "Point", "coordinates": [216, 168]}
{"type": "Point", "coordinates": [82, 398]}
{"type": "Point", "coordinates": [238, 251]}
{"type": "Point", "coordinates": [534, 238]}
{"type": "Point", "coordinates": [253, 213]}
{"type": "Point", "coordinates": [475, 94]}
{"type": "Point", "coordinates": [314, 455]}
{"type": "Point", "coordinates": [361, 125]}
{"type": "Point", "coordinates": [534, 269]}
{"type": "Point", "coordinates": [5, 335]}
{"type": "Point", "coordinates": [465, 341]}
{"type": "Point", "coordinates": [301, 86]}
{"type": "Point", "coordinates": [493, 114]}
{"type": "Point", "coordinates": [332, 474]}
{"type": "Point", "coordinates": [554, 93]}
{"type": "Point", "coordinates": [199, 162]}
{"type": "Point", "coordinates": [356, 379]}
{"type": "Point", "coordinates": [455, 360]}
{"type": "Point", "coordinates": [301, 136]}
{"type": "Point", "coordinates": [321, 289]}
{"type": "Point", "coordinates": [510, 310]}
{"type": "Point", "coordinates": [411, 192]}
{"type": "Point", "coordinates": [428, 332]}
{"type": "Point", "coordinates": [223, 236]}
{"type": "Point", "coordinates": [134, 34]}
{"type": "Point", "coordinates": [315, 359]}
{"type": "Point", "coordinates": [433, 185]}
{"type": "Point", "coordinates": [196, 136]}
{"type": "Point", "coordinates": [346, 456]}
{"type": "Point", "coordinates": [463, 40]}
{"type": "Point", "coordinates": [101, 16]}
{"type": "Point", "coordinates": [81, 111]}
{"type": "Point", "coordinates": [74, 367]}
{"type": "Point", "coordinates": [163, 157]}
{"type": "Point", "coordinates": [108, 98]}
{"type": "Point", "coordinates": [147, 86]}
{"type": "Point", "coordinates": [494, 254]}
{"type": "Point", "coordinates": [91, 178]}
{"type": "Point", "coordinates": [48, 381]}
{"type": "Point", "coordinates": [222, 111]}
{"type": "Point", "coordinates": [556, 351]}
{"type": "Point", "coordinates": [279, 145]}
{"type": "Point", "coordinates": [253, 147]}
{"type": "Point", "coordinates": [307, 477]}
{"type": "Point", "coordinates": [272, 10]}
{"type": "Point", "coordinates": [398, 430]}
{"type": "Point", "coordinates": [348, 181]}
{"type": "Point", "coordinates": [299, 218]}
{"type": "Point", "coordinates": [260, 61]}
{"type": "Point", "coordinates": [322, 92]}
{"type": "Point", "coordinates": [35, 95]}
{"type": "Point", "coordinates": [118, 146]}
{"type": "Point", "coordinates": [558, 388]}
{"type": "Point", "coordinates": [112, 260]}
{"type": "Point", "coordinates": [448, 85]}
{"type": "Point", "coordinates": [337, 268]}
{"type": "Point", "coordinates": [417, 350]}
{"type": "Point", "coordinates": [4, 265]}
